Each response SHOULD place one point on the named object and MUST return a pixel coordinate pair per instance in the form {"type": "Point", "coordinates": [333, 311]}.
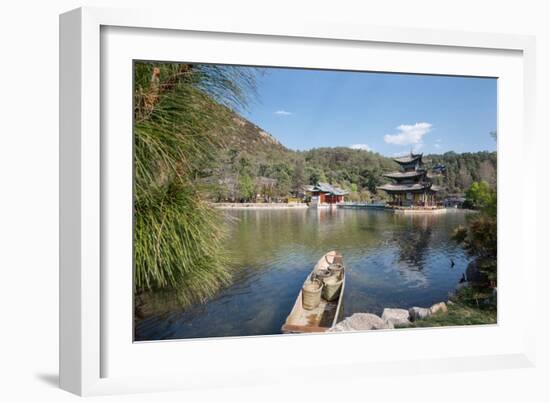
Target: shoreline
{"type": "Point", "coordinates": [406, 211]}
{"type": "Point", "coordinates": [259, 206]}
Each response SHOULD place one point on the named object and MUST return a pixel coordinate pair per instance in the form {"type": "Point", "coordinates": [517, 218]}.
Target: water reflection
{"type": "Point", "coordinates": [413, 246]}
{"type": "Point", "coordinates": [391, 260]}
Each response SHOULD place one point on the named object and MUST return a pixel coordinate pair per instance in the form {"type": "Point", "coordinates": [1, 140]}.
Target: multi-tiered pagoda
{"type": "Point", "coordinates": [412, 186]}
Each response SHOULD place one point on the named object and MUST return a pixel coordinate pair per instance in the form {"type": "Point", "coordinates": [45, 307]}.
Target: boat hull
{"type": "Point", "coordinates": [324, 316]}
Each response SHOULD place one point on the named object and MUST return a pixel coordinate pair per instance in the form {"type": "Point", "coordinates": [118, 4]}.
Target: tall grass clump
{"type": "Point", "coordinates": [181, 114]}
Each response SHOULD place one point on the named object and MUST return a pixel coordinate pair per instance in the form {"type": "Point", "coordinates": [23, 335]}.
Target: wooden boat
{"type": "Point", "coordinates": [324, 316]}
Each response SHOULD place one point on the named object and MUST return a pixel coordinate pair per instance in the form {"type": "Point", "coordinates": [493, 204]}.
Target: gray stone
{"type": "Point", "coordinates": [360, 321]}
{"type": "Point", "coordinates": [396, 316]}
{"type": "Point", "coordinates": [417, 313]}
{"type": "Point", "coordinates": [440, 307]}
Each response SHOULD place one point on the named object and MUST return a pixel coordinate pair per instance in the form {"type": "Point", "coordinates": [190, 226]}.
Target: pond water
{"type": "Point", "coordinates": [391, 260]}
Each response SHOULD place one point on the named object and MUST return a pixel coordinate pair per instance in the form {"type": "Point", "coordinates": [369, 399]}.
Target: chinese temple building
{"type": "Point", "coordinates": [324, 194]}
{"type": "Point", "coordinates": [411, 187]}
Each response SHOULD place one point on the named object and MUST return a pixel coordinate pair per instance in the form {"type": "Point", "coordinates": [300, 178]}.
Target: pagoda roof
{"type": "Point", "coordinates": [392, 187]}
{"type": "Point", "coordinates": [328, 188]}
{"type": "Point", "coordinates": [404, 175]}
{"type": "Point", "coordinates": [407, 159]}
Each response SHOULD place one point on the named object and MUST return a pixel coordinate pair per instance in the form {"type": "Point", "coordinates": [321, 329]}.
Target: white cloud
{"type": "Point", "coordinates": [409, 134]}
{"type": "Point", "coordinates": [283, 113]}
{"type": "Point", "coordinates": [361, 147]}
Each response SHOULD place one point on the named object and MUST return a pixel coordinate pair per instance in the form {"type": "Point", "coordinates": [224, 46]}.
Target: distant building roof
{"type": "Point", "coordinates": [340, 192]}
{"type": "Point", "coordinates": [392, 187]}
{"type": "Point", "coordinates": [404, 175]}
{"type": "Point", "coordinates": [328, 188]}
{"type": "Point", "coordinates": [408, 158]}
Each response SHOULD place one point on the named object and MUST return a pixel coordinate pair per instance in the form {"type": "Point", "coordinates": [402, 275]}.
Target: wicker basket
{"type": "Point", "coordinates": [320, 274]}
{"type": "Point", "coordinates": [332, 286]}
{"type": "Point", "coordinates": [311, 294]}
{"type": "Point", "coordinates": [336, 268]}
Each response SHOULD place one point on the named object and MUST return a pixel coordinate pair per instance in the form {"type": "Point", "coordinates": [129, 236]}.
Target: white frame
{"type": "Point", "coordinates": [81, 307]}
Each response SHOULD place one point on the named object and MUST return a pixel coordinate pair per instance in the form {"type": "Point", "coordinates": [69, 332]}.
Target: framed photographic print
{"type": "Point", "coordinates": [224, 240]}
{"type": "Point", "coordinates": [235, 196]}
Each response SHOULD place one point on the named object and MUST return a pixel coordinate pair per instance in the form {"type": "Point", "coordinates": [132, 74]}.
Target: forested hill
{"type": "Point", "coordinates": [465, 168]}
{"type": "Point", "coordinates": [254, 162]}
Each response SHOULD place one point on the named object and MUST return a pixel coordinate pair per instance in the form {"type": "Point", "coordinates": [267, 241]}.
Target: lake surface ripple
{"type": "Point", "coordinates": [391, 260]}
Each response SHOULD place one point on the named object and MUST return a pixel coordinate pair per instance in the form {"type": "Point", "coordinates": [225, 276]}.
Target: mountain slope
{"type": "Point", "coordinates": [254, 159]}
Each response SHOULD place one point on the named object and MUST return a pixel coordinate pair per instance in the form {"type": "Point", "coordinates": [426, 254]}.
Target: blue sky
{"type": "Point", "coordinates": [387, 113]}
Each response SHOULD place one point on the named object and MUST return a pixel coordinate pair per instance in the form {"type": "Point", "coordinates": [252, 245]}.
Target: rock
{"type": "Point", "coordinates": [441, 307]}
{"type": "Point", "coordinates": [361, 321]}
{"type": "Point", "coordinates": [416, 313]}
{"type": "Point", "coordinates": [396, 316]}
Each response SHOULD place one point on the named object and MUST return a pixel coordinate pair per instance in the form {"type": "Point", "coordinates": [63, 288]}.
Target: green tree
{"type": "Point", "coordinates": [244, 166]}
{"type": "Point", "coordinates": [298, 177]}
{"type": "Point", "coordinates": [283, 183]}
{"type": "Point", "coordinates": [247, 189]}
{"type": "Point", "coordinates": [365, 195]}
{"type": "Point", "coordinates": [372, 178]}
{"type": "Point", "coordinates": [316, 175]}
{"type": "Point", "coordinates": [353, 197]}
{"type": "Point", "coordinates": [461, 170]}
{"type": "Point", "coordinates": [480, 195]}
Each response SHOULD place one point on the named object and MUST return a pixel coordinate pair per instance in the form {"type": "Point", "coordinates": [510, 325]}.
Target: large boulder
{"type": "Point", "coordinates": [394, 316]}
{"type": "Point", "coordinates": [417, 313]}
{"type": "Point", "coordinates": [360, 321]}
{"type": "Point", "coordinates": [440, 307]}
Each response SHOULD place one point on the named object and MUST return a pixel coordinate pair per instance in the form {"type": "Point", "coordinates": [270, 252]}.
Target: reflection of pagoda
{"type": "Point", "coordinates": [411, 186]}
{"type": "Point", "coordinates": [414, 242]}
